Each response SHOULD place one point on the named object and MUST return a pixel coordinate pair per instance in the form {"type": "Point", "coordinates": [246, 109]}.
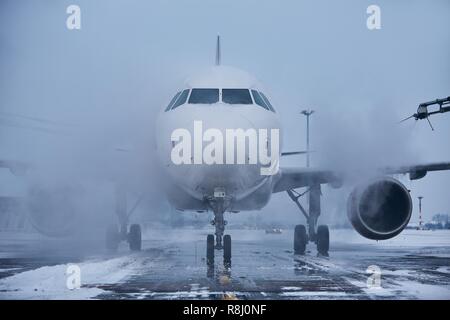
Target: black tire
{"type": "Point", "coordinates": [112, 238]}
{"type": "Point", "coordinates": [227, 250]}
{"type": "Point", "coordinates": [135, 237]}
{"type": "Point", "coordinates": [300, 239]}
{"type": "Point", "coordinates": [323, 240]}
{"type": "Point", "coordinates": [210, 250]}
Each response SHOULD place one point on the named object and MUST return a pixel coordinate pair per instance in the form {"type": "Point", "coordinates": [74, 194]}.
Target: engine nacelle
{"type": "Point", "coordinates": [380, 209]}
{"type": "Point", "coordinates": [51, 210]}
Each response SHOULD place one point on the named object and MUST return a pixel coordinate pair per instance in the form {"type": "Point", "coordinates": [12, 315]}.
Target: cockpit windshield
{"type": "Point", "coordinates": [204, 96]}
{"type": "Point", "coordinates": [182, 99]}
{"type": "Point", "coordinates": [267, 102]}
{"type": "Point", "coordinates": [213, 95]}
{"type": "Point", "coordinates": [173, 101]}
{"type": "Point", "coordinates": [259, 100]}
{"type": "Point", "coordinates": [236, 96]}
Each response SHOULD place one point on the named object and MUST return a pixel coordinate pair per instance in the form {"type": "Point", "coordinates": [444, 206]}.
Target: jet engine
{"type": "Point", "coordinates": [51, 211]}
{"type": "Point", "coordinates": [380, 209]}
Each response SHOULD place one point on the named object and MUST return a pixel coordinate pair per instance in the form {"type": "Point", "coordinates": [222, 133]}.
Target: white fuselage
{"type": "Point", "coordinates": [188, 185]}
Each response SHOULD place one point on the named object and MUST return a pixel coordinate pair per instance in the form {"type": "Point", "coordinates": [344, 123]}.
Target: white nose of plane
{"type": "Point", "coordinates": [216, 161]}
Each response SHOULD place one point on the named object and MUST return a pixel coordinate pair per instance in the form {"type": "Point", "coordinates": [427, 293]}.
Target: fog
{"type": "Point", "coordinates": [81, 105]}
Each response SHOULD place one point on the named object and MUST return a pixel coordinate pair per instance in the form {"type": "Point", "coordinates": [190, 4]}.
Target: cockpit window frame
{"type": "Point", "coordinates": [174, 99]}
{"type": "Point", "coordinates": [249, 102]}
{"type": "Point", "coordinates": [266, 100]}
{"type": "Point", "coordinates": [182, 99]}
{"type": "Point", "coordinates": [258, 99]}
{"type": "Point", "coordinates": [219, 95]}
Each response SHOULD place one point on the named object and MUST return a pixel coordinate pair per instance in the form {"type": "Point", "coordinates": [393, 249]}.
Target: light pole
{"type": "Point", "coordinates": [420, 212]}
{"type": "Point", "coordinates": [307, 113]}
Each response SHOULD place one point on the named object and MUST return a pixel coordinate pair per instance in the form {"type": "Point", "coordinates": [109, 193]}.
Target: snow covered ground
{"type": "Point", "coordinates": [50, 282]}
{"type": "Point", "coordinates": [414, 265]}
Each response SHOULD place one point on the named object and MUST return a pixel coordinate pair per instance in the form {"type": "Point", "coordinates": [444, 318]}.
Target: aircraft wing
{"type": "Point", "coordinates": [292, 177]}
{"type": "Point", "coordinates": [417, 171]}
{"type": "Point", "coordinates": [16, 167]}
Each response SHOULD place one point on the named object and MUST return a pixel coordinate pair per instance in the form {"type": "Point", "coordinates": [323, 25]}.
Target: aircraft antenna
{"type": "Point", "coordinates": [218, 53]}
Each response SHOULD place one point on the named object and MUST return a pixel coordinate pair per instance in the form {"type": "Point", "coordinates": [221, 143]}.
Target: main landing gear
{"type": "Point", "coordinates": [319, 235]}
{"type": "Point", "coordinates": [114, 237]}
{"type": "Point", "coordinates": [114, 234]}
{"type": "Point", "coordinates": [222, 242]}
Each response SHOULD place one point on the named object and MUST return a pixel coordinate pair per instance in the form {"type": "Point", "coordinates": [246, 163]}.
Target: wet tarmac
{"type": "Point", "coordinates": [416, 265]}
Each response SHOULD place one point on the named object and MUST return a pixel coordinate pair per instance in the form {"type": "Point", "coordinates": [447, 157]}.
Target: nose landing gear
{"type": "Point", "coordinates": [222, 242]}
{"type": "Point", "coordinates": [227, 251]}
{"type": "Point", "coordinates": [226, 247]}
{"type": "Point", "coordinates": [210, 250]}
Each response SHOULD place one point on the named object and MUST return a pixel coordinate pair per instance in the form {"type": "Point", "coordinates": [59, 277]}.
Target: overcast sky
{"type": "Point", "coordinates": [131, 56]}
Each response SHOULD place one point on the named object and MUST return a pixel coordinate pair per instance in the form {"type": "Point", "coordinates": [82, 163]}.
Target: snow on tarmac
{"type": "Point", "coordinates": [414, 265]}
{"type": "Point", "coordinates": [51, 282]}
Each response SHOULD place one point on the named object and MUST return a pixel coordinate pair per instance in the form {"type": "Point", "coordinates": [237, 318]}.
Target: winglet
{"type": "Point", "coordinates": [218, 53]}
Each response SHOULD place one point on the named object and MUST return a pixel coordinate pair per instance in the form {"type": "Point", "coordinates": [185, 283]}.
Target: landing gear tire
{"type": "Point", "coordinates": [227, 251]}
{"type": "Point", "coordinates": [135, 237]}
{"type": "Point", "coordinates": [323, 240]}
{"type": "Point", "coordinates": [112, 238]}
{"type": "Point", "coordinates": [300, 239]}
{"type": "Point", "coordinates": [210, 250]}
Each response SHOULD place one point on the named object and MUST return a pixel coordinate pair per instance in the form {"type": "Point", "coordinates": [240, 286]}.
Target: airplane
{"type": "Point", "coordinates": [226, 98]}
{"type": "Point", "coordinates": [229, 98]}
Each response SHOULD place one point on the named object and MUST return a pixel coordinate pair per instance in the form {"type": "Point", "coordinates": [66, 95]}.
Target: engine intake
{"type": "Point", "coordinates": [380, 209]}
{"type": "Point", "coordinates": [51, 211]}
